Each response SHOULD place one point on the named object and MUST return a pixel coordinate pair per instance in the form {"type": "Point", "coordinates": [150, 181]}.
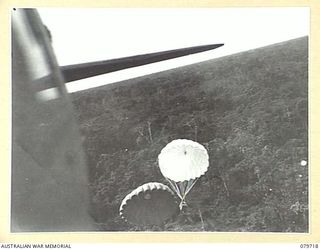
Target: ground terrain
{"type": "Point", "coordinates": [250, 110]}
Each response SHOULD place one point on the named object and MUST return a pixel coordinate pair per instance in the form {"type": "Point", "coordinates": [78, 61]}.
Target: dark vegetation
{"type": "Point", "coordinates": [250, 110]}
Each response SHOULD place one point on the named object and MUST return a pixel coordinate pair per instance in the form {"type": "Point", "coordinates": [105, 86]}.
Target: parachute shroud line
{"type": "Point", "coordinates": [182, 189]}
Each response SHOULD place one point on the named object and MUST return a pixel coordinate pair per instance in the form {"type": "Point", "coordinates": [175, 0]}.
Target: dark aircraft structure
{"type": "Point", "coordinates": [49, 186]}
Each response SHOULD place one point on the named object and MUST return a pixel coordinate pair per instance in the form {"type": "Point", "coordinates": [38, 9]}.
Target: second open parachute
{"type": "Point", "coordinates": [150, 204]}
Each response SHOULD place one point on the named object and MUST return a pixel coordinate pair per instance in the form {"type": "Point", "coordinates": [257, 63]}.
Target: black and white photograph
{"type": "Point", "coordinates": [160, 120]}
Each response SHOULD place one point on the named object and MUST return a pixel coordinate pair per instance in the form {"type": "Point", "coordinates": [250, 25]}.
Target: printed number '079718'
{"type": "Point", "coordinates": [309, 246]}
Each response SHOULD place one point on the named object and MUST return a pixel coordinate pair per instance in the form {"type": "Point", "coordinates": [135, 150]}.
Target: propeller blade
{"type": "Point", "coordinates": [85, 70]}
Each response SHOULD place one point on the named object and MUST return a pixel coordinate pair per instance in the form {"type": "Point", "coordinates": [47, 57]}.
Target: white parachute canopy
{"type": "Point", "coordinates": [183, 160]}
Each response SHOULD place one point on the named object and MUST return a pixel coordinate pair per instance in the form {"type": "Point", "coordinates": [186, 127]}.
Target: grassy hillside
{"type": "Point", "coordinates": [249, 110]}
